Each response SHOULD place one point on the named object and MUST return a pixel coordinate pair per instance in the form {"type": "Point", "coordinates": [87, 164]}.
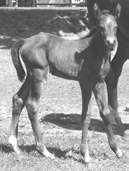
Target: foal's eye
{"type": "Point", "coordinates": [115, 29]}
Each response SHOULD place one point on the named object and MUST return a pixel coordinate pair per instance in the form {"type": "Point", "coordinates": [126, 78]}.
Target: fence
{"type": "Point", "coordinates": [35, 3]}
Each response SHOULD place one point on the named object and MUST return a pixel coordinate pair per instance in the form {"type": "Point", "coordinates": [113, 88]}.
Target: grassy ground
{"type": "Point", "coordinates": [60, 106]}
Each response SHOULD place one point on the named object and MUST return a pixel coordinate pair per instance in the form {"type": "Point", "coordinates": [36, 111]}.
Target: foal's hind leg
{"type": "Point", "coordinates": [18, 103]}
{"type": "Point", "coordinates": [32, 108]}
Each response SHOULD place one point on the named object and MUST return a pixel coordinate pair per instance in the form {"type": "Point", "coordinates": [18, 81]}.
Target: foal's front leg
{"type": "Point", "coordinates": [86, 89]}
{"type": "Point", "coordinates": [104, 109]}
{"type": "Point", "coordinates": [104, 112]}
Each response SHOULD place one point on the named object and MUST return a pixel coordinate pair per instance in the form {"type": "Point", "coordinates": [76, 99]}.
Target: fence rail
{"type": "Point", "coordinates": [16, 3]}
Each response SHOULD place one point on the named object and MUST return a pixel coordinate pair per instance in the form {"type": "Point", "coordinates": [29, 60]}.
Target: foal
{"type": "Point", "coordinates": [85, 60]}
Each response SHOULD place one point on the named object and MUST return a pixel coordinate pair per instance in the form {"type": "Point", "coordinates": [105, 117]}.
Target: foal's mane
{"type": "Point", "coordinates": [91, 32]}
{"type": "Point", "coordinates": [105, 12]}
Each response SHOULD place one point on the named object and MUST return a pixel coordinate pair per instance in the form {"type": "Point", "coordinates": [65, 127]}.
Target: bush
{"type": "Point", "coordinates": [2, 2]}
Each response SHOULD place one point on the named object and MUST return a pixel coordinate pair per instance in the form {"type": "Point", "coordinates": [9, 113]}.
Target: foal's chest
{"type": "Point", "coordinates": [105, 67]}
{"type": "Point", "coordinates": [95, 70]}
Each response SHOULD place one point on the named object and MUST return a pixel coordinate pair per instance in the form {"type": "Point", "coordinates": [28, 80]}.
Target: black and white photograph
{"type": "Point", "coordinates": [64, 85]}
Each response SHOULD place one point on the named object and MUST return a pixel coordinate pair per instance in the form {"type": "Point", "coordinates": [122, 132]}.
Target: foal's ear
{"type": "Point", "coordinates": [97, 11]}
{"type": "Point", "coordinates": [117, 11]}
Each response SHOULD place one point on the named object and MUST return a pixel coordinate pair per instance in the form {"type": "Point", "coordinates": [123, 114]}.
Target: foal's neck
{"type": "Point", "coordinates": [99, 47]}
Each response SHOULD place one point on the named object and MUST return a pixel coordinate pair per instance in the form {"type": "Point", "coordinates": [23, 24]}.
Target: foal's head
{"type": "Point", "coordinates": [107, 25]}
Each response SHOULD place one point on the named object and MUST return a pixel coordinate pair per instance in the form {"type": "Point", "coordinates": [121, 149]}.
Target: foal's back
{"type": "Point", "coordinates": [60, 54]}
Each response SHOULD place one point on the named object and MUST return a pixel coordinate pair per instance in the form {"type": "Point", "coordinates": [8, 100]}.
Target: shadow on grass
{"type": "Point", "coordinates": [54, 150]}
{"type": "Point", "coordinates": [28, 148]}
{"type": "Point", "coordinates": [5, 148]}
{"type": "Point", "coordinates": [61, 154]}
{"type": "Point", "coordinates": [72, 122]}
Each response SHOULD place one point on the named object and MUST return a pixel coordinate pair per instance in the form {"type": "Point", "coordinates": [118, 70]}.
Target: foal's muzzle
{"type": "Point", "coordinates": [111, 43]}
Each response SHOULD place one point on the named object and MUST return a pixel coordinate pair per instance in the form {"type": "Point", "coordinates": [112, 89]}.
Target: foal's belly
{"type": "Point", "coordinates": [67, 73]}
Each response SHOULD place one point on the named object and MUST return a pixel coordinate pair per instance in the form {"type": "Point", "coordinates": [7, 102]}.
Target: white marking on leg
{"type": "Point", "coordinates": [46, 153]}
{"type": "Point", "coordinates": [119, 153]}
{"type": "Point", "coordinates": [13, 142]}
{"type": "Point", "coordinates": [87, 158]}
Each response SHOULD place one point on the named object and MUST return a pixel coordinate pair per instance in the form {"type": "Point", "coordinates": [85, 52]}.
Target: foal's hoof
{"type": "Point", "coordinates": [119, 154]}
{"type": "Point", "coordinates": [13, 144]}
{"type": "Point", "coordinates": [17, 150]}
{"type": "Point", "coordinates": [46, 153]}
{"type": "Point", "coordinates": [87, 159]}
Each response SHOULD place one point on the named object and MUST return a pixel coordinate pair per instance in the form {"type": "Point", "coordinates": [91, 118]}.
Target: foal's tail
{"type": "Point", "coordinates": [15, 54]}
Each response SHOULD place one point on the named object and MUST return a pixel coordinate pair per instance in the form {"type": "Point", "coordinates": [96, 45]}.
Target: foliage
{"type": "Point", "coordinates": [2, 2]}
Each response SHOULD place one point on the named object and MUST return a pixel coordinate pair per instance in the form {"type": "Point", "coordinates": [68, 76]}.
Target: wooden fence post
{"type": "Point", "coordinates": [10, 3]}
{"type": "Point", "coordinates": [16, 3]}
{"type": "Point", "coordinates": [34, 3]}
{"type": "Point", "coordinates": [6, 2]}
{"type": "Point", "coordinates": [70, 3]}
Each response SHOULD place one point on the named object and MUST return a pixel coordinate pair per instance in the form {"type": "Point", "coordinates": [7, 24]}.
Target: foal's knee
{"type": "Point", "coordinates": [108, 116]}
{"type": "Point", "coordinates": [32, 109]}
{"type": "Point", "coordinates": [17, 104]}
